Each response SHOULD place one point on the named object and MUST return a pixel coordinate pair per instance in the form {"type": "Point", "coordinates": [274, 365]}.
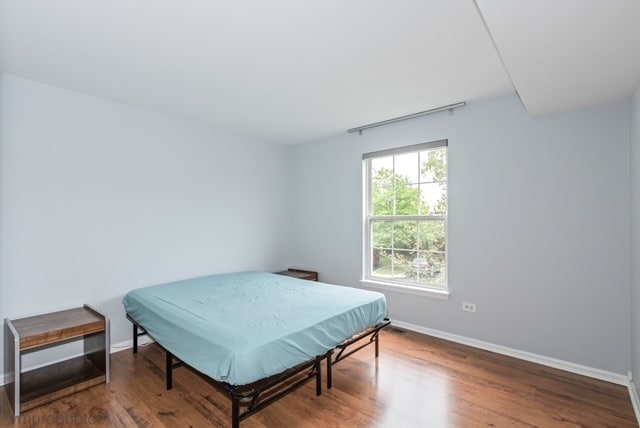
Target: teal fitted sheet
{"type": "Point", "coordinates": [242, 327]}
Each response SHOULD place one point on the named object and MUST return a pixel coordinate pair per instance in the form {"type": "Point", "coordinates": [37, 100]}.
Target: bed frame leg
{"type": "Point", "coordinates": [235, 412]}
{"type": "Point", "coordinates": [329, 371]}
{"type": "Point", "coordinates": [169, 371]}
{"type": "Point", "coordinates": [135, 338]}
{"type": "Point", "coordinates": [377, 345]}
{"type": "Point", "coordinates": [319, 377]}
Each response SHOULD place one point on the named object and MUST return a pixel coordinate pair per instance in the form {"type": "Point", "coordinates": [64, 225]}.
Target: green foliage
{"type": "Point", "coordinates": [383, 192]}
{"type": "Point", "coordinates": [393, 195]}
{"type": "Point", "coordinates": [435, 164]}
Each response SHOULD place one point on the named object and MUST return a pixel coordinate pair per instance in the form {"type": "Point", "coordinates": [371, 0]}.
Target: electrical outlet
{"type": "Point", "coordinates": [468, 307]}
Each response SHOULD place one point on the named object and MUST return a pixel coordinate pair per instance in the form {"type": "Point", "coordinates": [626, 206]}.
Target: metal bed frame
{"type": "Point", "coordinates": [249, 399]}
{"type": "Point", "coordinates": [373, 333]}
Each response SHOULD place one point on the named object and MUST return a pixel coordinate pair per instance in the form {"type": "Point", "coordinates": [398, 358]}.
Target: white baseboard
{"type": "Point", "coordinates": [127, 344]}
{"type": "Point", "coordinates": [608, 376]}
{"type": "Point", "coordinates": [633, 394]}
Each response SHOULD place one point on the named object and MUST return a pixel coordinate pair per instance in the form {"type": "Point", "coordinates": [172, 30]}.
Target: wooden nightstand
{"type": "Point", "coordinates": [300, 274]}
{"type": "Point", "coordinates": [30, 389]}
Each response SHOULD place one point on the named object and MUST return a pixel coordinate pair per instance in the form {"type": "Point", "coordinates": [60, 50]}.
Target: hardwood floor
{"type": "Point", "coordinates": [418, 381]}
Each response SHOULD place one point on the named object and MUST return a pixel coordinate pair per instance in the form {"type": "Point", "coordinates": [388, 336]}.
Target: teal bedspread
{"type": "Point", "coordinates": [242, 327]}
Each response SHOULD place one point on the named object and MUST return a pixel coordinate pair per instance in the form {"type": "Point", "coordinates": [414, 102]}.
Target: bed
{"type": "Point", "coordinates": [256, 334]}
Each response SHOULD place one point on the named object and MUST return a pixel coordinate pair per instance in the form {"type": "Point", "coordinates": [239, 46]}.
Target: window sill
{"type": "Point", "coordinates": [408, 289]}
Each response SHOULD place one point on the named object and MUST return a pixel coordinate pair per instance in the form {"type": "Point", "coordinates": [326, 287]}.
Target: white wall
{"type": "Point", "coordinates": [538, 225]}
{"type": "Point", "coordinates": [99, 198]}
{"type": "Point", "coordinates": [635, 235]}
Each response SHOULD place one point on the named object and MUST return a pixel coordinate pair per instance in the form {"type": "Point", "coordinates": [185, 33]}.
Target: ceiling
{"type": "Point", "coordinates": [292, 71]}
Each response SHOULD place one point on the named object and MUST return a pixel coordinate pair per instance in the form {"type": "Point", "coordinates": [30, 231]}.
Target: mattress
{"type": "Point", "coordinates": [242, 327]}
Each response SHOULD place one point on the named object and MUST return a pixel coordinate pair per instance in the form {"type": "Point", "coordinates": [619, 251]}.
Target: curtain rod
{"type": "Point", "coordinates": [449, 107]}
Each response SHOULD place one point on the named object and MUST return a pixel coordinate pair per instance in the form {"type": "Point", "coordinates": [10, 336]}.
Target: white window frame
{"type": "Point", "coordinates": [390, 284]}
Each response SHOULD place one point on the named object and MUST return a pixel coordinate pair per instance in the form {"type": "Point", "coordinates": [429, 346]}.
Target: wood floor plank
{"type": "Point", "coordinates": [417, 381]}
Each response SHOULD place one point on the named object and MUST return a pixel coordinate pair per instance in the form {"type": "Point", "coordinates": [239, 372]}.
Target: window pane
{"type": "Point", "coordinates": [381, 265]}
{"type": "Point", "coordinates": [433, 198]}
{"type": "Point", "coordinates": [382, 234]}
{"type": "Point", "coordinates": [402, 263]}
{"type": "Point", "coordinates": [433, 165]}
{"type": "Point", "coordinates": [405, 235]}
{"type": "Point", "coordinates": [431, 235]}
{"type": "Point", "coordinates": [378, 164]}
{"type": "Point", "coordinates": [383, 199]}
{"type": "Point", "coordinates": [408, 167]}
{"type": "Point", "coordinates": [382, 186]}
{"type": "Point", "coordinates": [420, 268]}
{"type": "Point", "coordinates": [407, 200]}
{"type": "Point", "coordinates": [433, 272]}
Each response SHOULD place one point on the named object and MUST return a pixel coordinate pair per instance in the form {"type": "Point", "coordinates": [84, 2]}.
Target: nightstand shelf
{"type": "Point", "coordinates": [300, 274]}
{"type": "Point", "coordinates": [30, 389]}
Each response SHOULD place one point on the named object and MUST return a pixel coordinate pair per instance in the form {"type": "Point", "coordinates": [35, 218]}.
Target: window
{"type": "Point", "coordinates": [406, 216]}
